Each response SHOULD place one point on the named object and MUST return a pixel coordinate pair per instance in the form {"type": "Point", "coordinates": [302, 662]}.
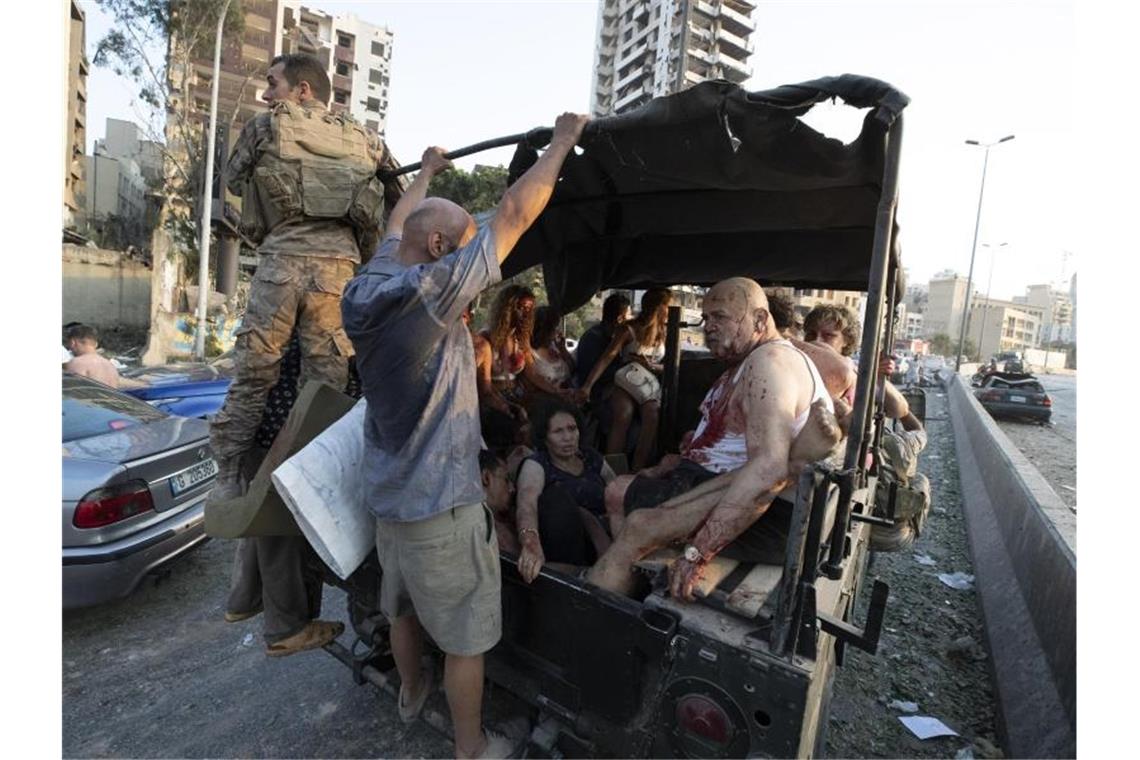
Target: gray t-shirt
{"type": "Point", "coordinates": [416, 362]}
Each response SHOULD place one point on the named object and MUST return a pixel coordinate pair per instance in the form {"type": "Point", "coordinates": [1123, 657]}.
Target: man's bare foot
{"type": "Point", "coordinates": [819, 436]}
{"type": "Point", "coordinates": [843, 412]}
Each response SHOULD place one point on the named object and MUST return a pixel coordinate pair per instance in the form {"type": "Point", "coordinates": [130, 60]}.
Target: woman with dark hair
{"type": "Point", "coordinates": [561, 495]}
{"type": "Point", "coordinates": [641, 344]}
{"type": "Point", "coordinates": [551, 359]}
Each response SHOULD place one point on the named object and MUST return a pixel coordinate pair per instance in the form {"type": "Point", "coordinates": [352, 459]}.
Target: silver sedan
{"type": "Point", "coordinates": [135, 481]}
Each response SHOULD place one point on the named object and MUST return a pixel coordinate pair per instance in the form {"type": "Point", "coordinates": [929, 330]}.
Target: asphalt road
{"type": "Point", "coordinates": [1052, 448]}
{"type": "Point", "coordinates": [160, 674]}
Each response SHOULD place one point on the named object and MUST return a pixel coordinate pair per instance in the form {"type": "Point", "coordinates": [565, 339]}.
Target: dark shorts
{"type": "Point", "coordinates": [764, 541]}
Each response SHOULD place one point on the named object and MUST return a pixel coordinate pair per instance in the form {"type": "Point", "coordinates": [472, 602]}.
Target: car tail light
{"type": "Point", "coordinates": [990, 396]}
{"type": "Point", "coordinates": [702, 716]}
{"type": "Point", "coordinates": [1047, 401]}
{"type": "Point", "coordinates": [105, 506]}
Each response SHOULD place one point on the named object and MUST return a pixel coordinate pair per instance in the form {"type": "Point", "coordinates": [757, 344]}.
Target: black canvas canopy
{"type": "Point", "coordinates": [714, 182]}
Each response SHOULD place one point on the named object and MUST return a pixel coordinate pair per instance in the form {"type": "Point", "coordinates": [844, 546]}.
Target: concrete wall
{"type": "Point", "coordinates": [1023, 544]}
{"type": "Point", "coordinates": [104, 288]}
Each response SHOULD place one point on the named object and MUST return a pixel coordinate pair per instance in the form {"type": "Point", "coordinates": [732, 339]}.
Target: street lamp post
{"type": "Point", "coordinates": [208, 196]}
{"type": "Point", "coordinates": [974, 247]}
{"type": "Point", "coordinates": [989, 283]}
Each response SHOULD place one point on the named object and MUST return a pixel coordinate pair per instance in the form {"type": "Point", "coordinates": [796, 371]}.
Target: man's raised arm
{"type": "Point", "coordinates": [525, 200]}
{"type": "Point", "coordinates": [433, 162]}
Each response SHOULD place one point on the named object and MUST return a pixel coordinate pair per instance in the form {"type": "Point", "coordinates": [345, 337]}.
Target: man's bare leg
{"type": "Point", "coordinates": [463, 683]}
{"type": "Point", "coordinates": [615, 502]}
{"type": "Point", "coordinates": [648, 529]}
{"type": "Point", "coordinates": [406, 638]}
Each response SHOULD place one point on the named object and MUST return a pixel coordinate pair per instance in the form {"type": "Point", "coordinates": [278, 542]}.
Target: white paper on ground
{"type": "Point", "coordinates": [926, 727]}
{"type": "Point", "coordinates": [323, 487]}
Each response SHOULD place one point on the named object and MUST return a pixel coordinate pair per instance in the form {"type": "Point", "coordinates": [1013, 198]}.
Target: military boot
{"type": "Point", "coordinates": [229, 483]}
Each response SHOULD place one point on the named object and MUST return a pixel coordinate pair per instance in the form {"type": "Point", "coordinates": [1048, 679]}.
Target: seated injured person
{"type": "Point", "coordinates": [766, 417]}
{"type": "Point", "coordinates": [561, 492]}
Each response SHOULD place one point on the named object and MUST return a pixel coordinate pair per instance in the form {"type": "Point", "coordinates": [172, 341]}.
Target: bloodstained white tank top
{"type": "Point", "coordinates": [719, 449]}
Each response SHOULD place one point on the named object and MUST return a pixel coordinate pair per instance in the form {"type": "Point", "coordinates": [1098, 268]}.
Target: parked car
{"type": "Point", "coordinates": [187, 389]}
{"type": "Point", "coordinates": [135, 481]}
{"type": "Point", "coordinates": [1015, 394]}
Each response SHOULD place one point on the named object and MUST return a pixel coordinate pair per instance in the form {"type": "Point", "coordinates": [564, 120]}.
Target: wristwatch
{"type": "Point", "coordinates": [693, 554]}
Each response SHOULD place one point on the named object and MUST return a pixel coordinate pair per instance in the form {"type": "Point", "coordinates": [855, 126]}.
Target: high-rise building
{"type": "Point", "coordinates": [945, 300]}
{"type": "Point", "coordinates": [647, 48]}
{"type": "Point", "coordinates": [357, 54]}
{"type": "Point", "coordinates": [1057, 309]}
{"type": "Point", "coordinates": [75, 106]}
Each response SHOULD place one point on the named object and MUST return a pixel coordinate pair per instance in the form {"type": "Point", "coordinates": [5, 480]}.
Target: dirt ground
{"type": "Point", "coordinates": [932, 651]}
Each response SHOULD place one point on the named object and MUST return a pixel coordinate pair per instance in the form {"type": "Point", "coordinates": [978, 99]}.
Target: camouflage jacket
{"type": "Point", "coordinates": [329, 238]}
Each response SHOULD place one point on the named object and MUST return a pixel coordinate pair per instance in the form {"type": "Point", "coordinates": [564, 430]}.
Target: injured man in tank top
{"type": "Point", "coordinates": [771, 413]}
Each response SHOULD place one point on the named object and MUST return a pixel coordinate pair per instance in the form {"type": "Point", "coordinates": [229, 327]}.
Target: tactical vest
{"type": "Point", "coordinates": [317, 165]}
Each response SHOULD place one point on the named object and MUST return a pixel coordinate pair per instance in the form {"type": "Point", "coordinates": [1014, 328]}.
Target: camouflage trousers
{"type": "Point", "coordinates": [287, 291]}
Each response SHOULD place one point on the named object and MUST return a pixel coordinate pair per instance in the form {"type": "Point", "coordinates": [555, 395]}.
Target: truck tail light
{"type": "Point", "coordinates": [703, 717]}
{"type": "Point", "coordinates": [105, 506]}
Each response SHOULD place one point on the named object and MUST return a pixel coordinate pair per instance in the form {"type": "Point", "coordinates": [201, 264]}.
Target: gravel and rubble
{"type": "Point", "coordinates": [932, 652]}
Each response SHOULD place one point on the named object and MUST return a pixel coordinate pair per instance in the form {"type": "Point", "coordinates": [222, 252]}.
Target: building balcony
{"type": "Point", "coordinates": [341, 82]}
{"type": "Point", "coordinates": [605, 70]}
{"type": "Point", "coordinates": [733, 65]}
{"type": "Point", "coordinates": [632, 56]}
{"type": "Point", "coordinates": [733, 45]}
{"type": "Point", "coordinates": [735, 21]}
{"type": "Point", "coordinates": [343, 54]}
{"type": "Point", "coordinates": [707, 9]}
{"type": "Point", "coordinates": [629, 98]}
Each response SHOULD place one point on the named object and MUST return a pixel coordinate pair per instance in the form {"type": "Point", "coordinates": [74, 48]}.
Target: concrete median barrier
{"type": "Point", "coordinates": [1023, 544]}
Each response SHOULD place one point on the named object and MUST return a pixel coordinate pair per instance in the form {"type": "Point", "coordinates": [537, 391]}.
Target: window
{"type": "Point", "coordinates": [373, 104]}
{"type": "Point", "coordinates": [89, 410]}
{"type": "Point", "coordinates": [373, 125]}
{"type": "Point", "coordinates": [378, 48]}
{"type": "Point", "coordinates": [340, 97]}
{"type": "Point", "coordinates": [344, 40]}
{"type": "Point", "coordinates": [342, 68]}
{"type": "Point", "coordinates": [375, 77]}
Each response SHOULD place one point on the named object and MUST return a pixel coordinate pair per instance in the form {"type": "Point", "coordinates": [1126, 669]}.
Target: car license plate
{"type": "Point", "coordinates": [1018, 399]}
{"type": "Point", "coordinates": [192, 476]}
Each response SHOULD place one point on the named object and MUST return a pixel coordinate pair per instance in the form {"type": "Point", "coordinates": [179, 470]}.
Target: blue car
{"type": "Point", "coordinates": [188, 389]}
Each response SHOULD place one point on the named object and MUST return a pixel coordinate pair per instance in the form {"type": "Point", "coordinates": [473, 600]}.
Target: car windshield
{"type": "Point", "coordinates": [90, 409]}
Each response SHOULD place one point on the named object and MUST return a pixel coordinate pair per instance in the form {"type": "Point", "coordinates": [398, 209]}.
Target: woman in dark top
{"type": "Point", "coordinates": [561, 495]}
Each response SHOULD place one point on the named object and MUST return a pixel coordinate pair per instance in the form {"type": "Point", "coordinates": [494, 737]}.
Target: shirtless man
{"type": "Point", "coordinates": [738, 460]}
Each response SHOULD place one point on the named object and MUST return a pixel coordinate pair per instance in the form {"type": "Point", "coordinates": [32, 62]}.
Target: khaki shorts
{"type": "Point", "coordinates": [445, 571]}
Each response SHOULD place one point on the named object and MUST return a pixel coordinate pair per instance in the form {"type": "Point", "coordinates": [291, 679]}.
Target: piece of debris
{"type": "Point", "coordinates": [961, 581]}
{"type": "Point", "coordinates": [925, 727]}
{"type": "Point", "coordinates": [966, 753]}
{"type": "Point", "coordinates": [909, 708]}
{"type": "Point", "coordinates": [248, 640]}
{"type": "Point", "coordinates": [1068, 488]}
{"type": "Point", "coordinates": [925, 559]}
{"type": "Point", "coordinates": [983, 748]}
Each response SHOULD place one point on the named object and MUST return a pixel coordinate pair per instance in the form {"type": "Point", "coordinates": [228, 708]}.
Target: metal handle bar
{"type": "Point", "coordinates": [536, 138]}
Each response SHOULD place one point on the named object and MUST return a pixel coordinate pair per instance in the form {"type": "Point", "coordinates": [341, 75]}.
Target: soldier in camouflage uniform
{"type": "Point", "coordinates": [311, 199]}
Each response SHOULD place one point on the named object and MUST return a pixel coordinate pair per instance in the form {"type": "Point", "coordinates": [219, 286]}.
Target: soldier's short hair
{"type": "Point", "coordinates": [82, 332]}
{"type": "Point", "coordinates": [300, 67]}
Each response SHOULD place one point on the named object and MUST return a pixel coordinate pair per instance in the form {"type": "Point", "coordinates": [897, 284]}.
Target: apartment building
{"type": "Point", "coordinates": [124, 173]}
{"type": "Point", "coordinates": [1057, 308]}
{"type": "Point", "coordinates": [75, 106]}
{"type": "Point", "coordinates": [913, 328]}
{"type": "Point", "coordinates": [648, 48]}
{"type": "Point", "coordinates": [995, 326]}
{"type": "Point", "coordinates": [358, 56]}
{"type": "Point", "coordinates": [945, 302]}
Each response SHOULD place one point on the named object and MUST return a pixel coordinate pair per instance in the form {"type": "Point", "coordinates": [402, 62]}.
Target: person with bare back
{"type": "Point", "coordinates": [768, 415]}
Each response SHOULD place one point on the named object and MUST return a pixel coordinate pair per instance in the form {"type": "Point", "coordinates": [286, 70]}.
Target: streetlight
{"type": "Point", "coordinates": [974, 247]}
{"type": "Point", "coordinates": [208, 196]}
{"type": "Point", "coordinates": [989, 282]}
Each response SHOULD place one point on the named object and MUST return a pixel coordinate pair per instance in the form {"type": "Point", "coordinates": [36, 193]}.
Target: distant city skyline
{"type": "Point", "coordinates": [464, 72]}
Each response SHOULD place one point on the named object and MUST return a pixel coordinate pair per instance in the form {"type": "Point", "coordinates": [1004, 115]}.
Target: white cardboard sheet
{"type": "Point", "coordinates": [323, 487]}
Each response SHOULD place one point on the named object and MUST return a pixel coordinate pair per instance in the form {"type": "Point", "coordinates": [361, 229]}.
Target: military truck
{"type": "Point", "coordinates": [689, 189]}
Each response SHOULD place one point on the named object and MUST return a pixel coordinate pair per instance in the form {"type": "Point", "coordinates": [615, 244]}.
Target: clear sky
{"type": "Point", "coordinates": [467, 71]}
